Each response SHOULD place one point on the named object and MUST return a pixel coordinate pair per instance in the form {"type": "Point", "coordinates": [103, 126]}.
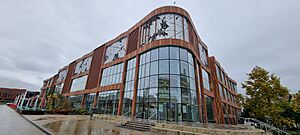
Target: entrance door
{"type": "Point", "coordinates": [184, 112]}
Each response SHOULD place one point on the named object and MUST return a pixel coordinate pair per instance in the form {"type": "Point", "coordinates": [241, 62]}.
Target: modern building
{"type": "Point", "coordinates": [158, 65]}
{"type": "Point", "coordinates": [8, 95]}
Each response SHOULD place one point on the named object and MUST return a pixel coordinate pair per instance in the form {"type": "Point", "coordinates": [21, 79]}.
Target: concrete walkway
{"type": "Point", "coordinates": [11, 123]}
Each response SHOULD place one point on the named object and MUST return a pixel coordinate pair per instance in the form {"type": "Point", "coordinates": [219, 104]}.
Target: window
{"type": "Point", "coordinates": [174, 53]}
{"type": "Point", "coordinates": [108, 102]}
{"type": "Point", "coordinates": [218, 72]}
{"type": "Point", "coordinates": [209, 108]}
{"type": "Point", "coordinates": [167, 26]}
{"type": "Point", "coordinates": [75, 101]}
{"type": "Point", "coordinates": [203, 55]}
{"type": "Point", "coordinates": [89, 101]}
{"type": "Point", "coordinates": [129, 87]}
{"type": "Point", "coordinates": [174, 81]}
{"type": "Point", "coordinates": [205, 77]}
{"type": "Point", "coordinates": [164, 53]}
{"type": "Point", "coordinates": [78, 83]}
{"type": "Point", "coordinates": [221, 91]}
{"type": "Point", "coordinates": [83, 65]}
{"type": "Point", "coordinates": [164, 67]}
{"type": "Point", "coordinates": [112, 75]}
{"type": "Point", "coordinates": [186, 30]}
{"type": "Point", "coordinates": [116, 50]}
{"type": "Point", "coordinates": [62, 75]}
{"type": "Point", "coordinates": [174, 64]}
{"type": "Point", "coordinates": [184, 68]}
{"type": "Point", "coordinates": [59, 87]}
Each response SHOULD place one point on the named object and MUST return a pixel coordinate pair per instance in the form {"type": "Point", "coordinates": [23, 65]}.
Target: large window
{"type": "Point", "coordinates": [108, 101]}
{"type": "Point", "coordinates": [167, 85]}
{"type": "Point", "coordinates": [78, 83]}
{"type": "Point", "coordinates": [129, 87]}
{"type": "Point", "coordinates": [205, 78]}
{"type": "Point", "coordinates": [165, 26]}
{"type": "Point", "coordinates": [83, 65]}
{"type": "Point", "coordinates": [116, 50]}
{"type": "Point", "coordinates": [112, 75]}
{"type": "Point", "coordinates": [209, 108]}
{"type": "Point", "coordinates": [75, 101]}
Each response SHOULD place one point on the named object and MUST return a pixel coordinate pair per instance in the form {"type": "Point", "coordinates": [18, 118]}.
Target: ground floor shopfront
{"type": "Point", "coordinates": [108, 103]}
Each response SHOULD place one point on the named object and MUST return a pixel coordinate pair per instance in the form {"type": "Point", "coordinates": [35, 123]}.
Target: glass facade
{"type": "Point", "coordinates": [89, 100]}
{"type": "Point", "coordinates": [129, 87]}
{"type": "Point", "coordinates": [112, 75]}
{"type": "Point", "coordinates": [116, 50]}
{"type": "Point", "coordinates": [108, 102]}
{"type": "Point", "coordinates": [78, 83]}
{"type": "Point", "coordinates": [165, 26]}
{"type": "Point", "coordinates": [167, 85]}
{"type": "Point", "coordinates": [75, 101]}
{"type": "Point", "coordinates": [83, 65]}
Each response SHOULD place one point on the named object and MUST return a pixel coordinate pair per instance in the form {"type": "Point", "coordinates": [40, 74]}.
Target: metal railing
{"type": "Point", "coordinates": [134, 117]}
{"type": "Point", "coordinates": [124, 115]}
{"type": "Point", "coordinates": [264, 126]}
{"type": "Point", "coordinates": [157, 114]}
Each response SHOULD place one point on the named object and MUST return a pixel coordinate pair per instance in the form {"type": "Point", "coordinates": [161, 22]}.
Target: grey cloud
{"type": "Point", "coordinates": [39, 37]}
{"type": "Point", "coordinates": [16, 83]}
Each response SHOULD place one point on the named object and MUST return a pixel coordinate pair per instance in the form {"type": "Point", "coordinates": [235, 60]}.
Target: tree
{"type": "Point", "coordinates": [265, 97]}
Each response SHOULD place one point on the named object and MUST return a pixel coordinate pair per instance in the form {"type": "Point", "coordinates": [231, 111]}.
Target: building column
{"type": "Point", "coordinates": [122, 89]}
{"type": "Point", "coordinates": [135, 86]}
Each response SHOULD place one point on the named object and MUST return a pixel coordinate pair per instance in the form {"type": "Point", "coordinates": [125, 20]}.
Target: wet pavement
{"type": "Point", "coordinates": [80, 125]}
{"type": "Point", "coordinates": [11, 123]}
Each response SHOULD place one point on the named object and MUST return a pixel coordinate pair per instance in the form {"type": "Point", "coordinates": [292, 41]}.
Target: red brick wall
{"type": "Point", "coordinates": [95, 68]}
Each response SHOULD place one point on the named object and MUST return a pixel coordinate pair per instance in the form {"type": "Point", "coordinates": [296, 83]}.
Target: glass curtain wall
{"type": "Point", "coordinates": [108, 101]}
{"type": "Point", "coordinates": [112, 75]}
{"type": "Point", "coordinates": [129, 87]}
{"type": "Point", "coordinates": [167, 85]}
{"type": "Point", "coordinates": [75, 101]}
{"type": "Point", "coordinates": [89, 100]}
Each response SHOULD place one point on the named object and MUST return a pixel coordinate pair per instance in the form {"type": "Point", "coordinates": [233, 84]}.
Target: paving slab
{"type": "Point", "coordinates": [11, 123]}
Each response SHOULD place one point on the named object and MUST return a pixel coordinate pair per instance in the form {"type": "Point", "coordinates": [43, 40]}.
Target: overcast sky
{"type": "Point", "coordinates": [39, 37]}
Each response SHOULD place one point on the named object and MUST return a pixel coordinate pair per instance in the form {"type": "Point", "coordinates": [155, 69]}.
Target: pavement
{"type": "Point", "coordinates": [11, 123]}
{"type": "Point", "coordinates": [80, 125]}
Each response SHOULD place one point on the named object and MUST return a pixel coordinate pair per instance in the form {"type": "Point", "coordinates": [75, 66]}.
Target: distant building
{"type": "Point", "coordinates": [159, 66]}
{"type": "Point", "coordinates": [8, 95]}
